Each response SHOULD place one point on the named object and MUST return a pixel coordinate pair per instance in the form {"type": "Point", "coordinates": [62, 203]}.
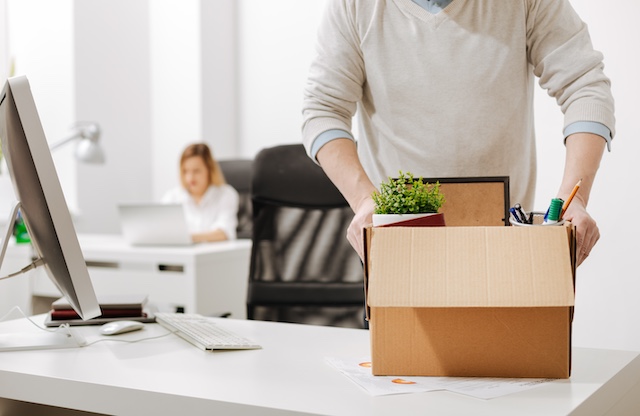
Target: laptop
{"type": "Point", "coordinates": [154, 224]}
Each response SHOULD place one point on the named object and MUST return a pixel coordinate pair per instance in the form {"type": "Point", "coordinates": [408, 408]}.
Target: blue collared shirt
{"type": "Point", "coordinates": [433, 6]}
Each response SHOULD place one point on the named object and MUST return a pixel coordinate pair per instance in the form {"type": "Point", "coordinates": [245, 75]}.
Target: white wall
{"type": "Point", "coordinates": [276, 47]}
{"type": "Point", "coordinates": [252, 75]}
{"type": "Point", "coordinates": [193, 83]}
{"type": "Point", "coordinates": [112, 63]}
{"type": "Point", "coordinates": [4, 40]}
{"type": "Point", "coordinates": [45, 55]}
{"type": "Point", "coordinates": [6, 191]}
{"type": "Point", "coordinates": [219, 76]}
{"type": "Point", "coordinates": [176, 110]}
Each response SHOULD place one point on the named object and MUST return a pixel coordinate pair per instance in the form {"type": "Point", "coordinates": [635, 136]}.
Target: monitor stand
{"type": "Point", "coordinates": [41, 340]}
{"type": "Point", "coordinates": [38, 338]}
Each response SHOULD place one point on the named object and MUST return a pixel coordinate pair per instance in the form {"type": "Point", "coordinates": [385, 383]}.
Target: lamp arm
{"type": "Point", "coordinates": [66, 140]}
{"type": "Point", "coordinates": [84, 130]}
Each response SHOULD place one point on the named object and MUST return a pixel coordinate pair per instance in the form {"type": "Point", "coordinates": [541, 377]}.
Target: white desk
{"type": "Point", "coordinates": [203, 278]}
{"type": "Point", "coordinates": [168, 376]}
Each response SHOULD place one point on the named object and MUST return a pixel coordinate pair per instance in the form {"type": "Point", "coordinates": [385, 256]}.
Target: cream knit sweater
{"type": "Point", "coordinates": [451, 94]}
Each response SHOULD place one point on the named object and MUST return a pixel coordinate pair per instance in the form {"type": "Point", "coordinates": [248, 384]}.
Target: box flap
{"type": "Point", "coordinates": [469, 267]}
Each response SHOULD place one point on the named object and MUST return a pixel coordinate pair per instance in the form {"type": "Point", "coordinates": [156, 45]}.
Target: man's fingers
{"type": "Point", "coordinates": [588, 235]}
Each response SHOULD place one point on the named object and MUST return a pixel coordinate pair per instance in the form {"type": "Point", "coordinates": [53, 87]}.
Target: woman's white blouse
{"type": "Point", "coordinates": [218, 209]}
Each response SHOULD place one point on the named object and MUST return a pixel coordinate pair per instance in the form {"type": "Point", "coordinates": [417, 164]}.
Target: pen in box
{"type": "Point", "coordinates": [515, 215]}
{"type": "Point", "coordinates": [568, 201]}
{"type": "Point", "coordinates": [523, 214]}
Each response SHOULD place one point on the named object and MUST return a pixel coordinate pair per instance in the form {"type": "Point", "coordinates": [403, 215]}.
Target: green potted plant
{"type": "Point", "coordinates": [406, 198]}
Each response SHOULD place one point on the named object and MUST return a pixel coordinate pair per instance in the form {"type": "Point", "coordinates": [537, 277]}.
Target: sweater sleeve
{"type": "Point", "coordinates": [336, 75]}
{"type": "Point", "coordinates": [559, 49]}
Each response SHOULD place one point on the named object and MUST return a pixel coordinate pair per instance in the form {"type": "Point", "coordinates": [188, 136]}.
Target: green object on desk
{"type": "Point", "coordinates": [20, 231]}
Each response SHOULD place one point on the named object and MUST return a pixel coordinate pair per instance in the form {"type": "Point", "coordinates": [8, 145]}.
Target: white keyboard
{"type": "Point", "coordinates": [202, 332]}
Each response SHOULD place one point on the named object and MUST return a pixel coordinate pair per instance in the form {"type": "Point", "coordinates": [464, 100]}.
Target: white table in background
{"type": "Point", "coordinates": [288, 376]}
{"type": "Point", "coordinates": [203, 278]}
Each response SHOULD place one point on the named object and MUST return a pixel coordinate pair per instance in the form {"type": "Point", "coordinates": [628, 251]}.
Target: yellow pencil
{"type": "Point", "coordinates": [568, 201]}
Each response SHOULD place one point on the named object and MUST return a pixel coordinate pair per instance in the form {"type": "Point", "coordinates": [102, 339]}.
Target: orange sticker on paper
{"type": "Point", "coordinates": [402, 381]}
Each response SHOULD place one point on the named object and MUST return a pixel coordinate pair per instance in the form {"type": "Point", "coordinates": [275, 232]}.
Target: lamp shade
{"type": "Point", "coordinates": [88, 149]}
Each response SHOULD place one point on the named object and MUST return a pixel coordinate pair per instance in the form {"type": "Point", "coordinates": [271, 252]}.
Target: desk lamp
{"type": "Point", "coordinates": [88, 150]}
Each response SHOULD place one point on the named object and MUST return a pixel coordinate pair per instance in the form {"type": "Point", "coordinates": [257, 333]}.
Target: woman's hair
{"type": "Point", "coordinates": [216, 177]}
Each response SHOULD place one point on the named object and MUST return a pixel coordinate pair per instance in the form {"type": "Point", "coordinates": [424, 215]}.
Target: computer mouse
{"type": "Point", "coordinates": [120, 327]}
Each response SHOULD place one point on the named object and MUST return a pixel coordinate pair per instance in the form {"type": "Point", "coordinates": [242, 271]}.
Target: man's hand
{"type": "Point", "coordinates": [587, 233]}
{"type": "Point", "coordinates": [361, 219]}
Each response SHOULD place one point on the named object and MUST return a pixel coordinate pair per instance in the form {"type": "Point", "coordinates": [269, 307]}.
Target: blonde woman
{"type": "Point", "coordinates": [211, 204]}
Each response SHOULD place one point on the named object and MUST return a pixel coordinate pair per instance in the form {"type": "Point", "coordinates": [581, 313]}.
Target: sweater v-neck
{"type": "Point", "coordinates": [426, 16]}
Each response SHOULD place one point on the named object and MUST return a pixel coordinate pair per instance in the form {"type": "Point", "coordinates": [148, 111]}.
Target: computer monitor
{"type": "Point", "coordinates": [41, 201]}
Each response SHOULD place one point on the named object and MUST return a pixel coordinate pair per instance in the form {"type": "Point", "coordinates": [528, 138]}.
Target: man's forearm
{"type": "Point", "coordinates": [584, 152]}
{"type": "Point", "coordinates": [339, 160]}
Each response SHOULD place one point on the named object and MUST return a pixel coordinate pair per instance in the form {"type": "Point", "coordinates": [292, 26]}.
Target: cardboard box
{"type": "Point", "coordinates": [470, 301]}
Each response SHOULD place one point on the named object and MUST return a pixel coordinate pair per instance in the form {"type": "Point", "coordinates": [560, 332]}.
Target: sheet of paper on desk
{"type": "Point", "coordinates": [359, 371]}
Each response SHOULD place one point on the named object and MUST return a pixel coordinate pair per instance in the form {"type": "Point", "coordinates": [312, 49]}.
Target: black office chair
{"type": "Point", "coordinates": [302, 269]}
{"type": "Point", "coordinates": [237, 172]}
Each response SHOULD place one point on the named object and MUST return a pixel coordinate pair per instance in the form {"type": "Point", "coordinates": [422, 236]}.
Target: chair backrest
{"type": "Point", "coordinates": [302, 269]}
{"type": "Point", "coordinates": [237, 172]}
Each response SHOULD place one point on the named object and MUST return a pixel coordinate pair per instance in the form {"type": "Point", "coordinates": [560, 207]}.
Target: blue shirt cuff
{"type": "Point", "coordinates": [589, 127]}
{"type": "Point", "coordinates": [325, 137]}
